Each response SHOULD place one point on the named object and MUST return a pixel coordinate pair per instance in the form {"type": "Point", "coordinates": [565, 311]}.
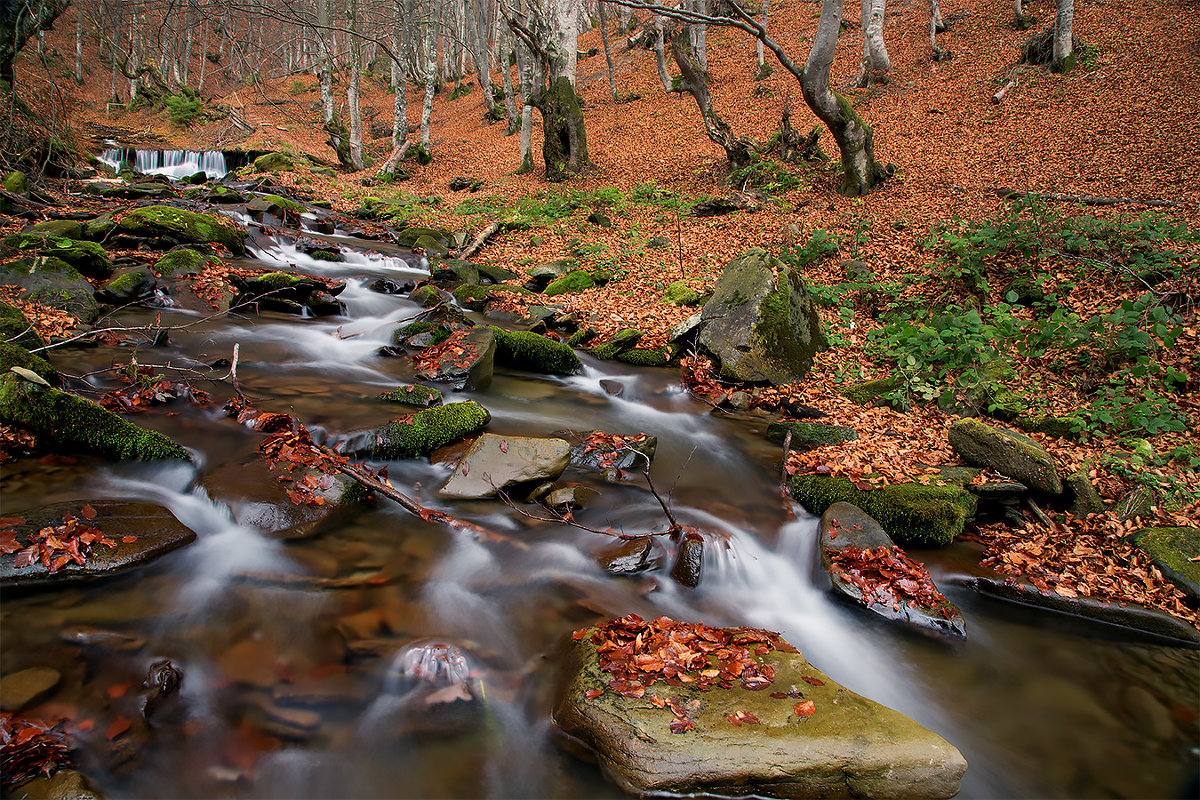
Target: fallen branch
{"type": "Point", "coordinates": [395, 158]}
{"type": "Point", "coordinates": [1085, 199]}
{"type": "Point", "coordinates": [479, 239]}
{"type": "Point", "coordinates": [998, 97]}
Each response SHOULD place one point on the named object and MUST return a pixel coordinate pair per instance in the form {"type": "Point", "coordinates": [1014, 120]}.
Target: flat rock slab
{"type": "Point", "coordinates": [152, 531]}
{"type": "Point", "coordinates": [847, 526]}
{"type": "Point", "coordinates": [19, 690]}
{"type": "Point", "coordinates": [842, 745]}
{"type": "Point", "coordinates": [500, 463]}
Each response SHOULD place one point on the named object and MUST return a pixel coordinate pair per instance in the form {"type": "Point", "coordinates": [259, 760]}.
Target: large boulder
{"type": "Point", "coordinates": [273, 162]}
{"type": "Point", "coordinates": [864, 566]}
{"type": "Point", "coordinates": [88, 258]}
{"type": "Point", "coordinates": [536, 353]}
{"type": "Point", "coordinates": [52, 282]}
{"type": "Point", "coordinates": [75, 425]}
{"type": "Point", "coordinates": [757, 327]}
{"type": "Point", "coordinates": [166, 227]}
{"type": "Point", "coordinates": [723, 733]}
{"type": "Point", "coordinates": [67, 228]}
{"type": "Point", "coordinates": [138, 532]}
{"type": "Point", "coordinates": [421, 433]}
{"type": "Point", "coordinates": [506, 464]}
{"type": "Point", "coordinates": [1007, 452]}
{"type": "Point", "coordinates": [288, 294]}
{"type": "Point", "coordinates": [913, 514]}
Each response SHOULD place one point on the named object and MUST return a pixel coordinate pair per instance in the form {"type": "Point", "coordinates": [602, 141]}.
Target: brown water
{"type": "Point", "coordinates": [306, 691]}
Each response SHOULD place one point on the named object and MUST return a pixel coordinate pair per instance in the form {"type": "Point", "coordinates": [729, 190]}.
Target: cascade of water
{"type": "Point", "coordinates": [173, 163]}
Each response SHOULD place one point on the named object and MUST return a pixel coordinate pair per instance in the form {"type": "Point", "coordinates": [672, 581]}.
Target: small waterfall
{"type": "Point", "coordinates": [173, 163]}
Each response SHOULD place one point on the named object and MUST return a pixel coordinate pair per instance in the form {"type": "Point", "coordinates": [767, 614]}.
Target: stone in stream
{"type": "Point", "coordinates": [610, 454]}
{"type": "Point", "coordinates": [689, 561]}
{"type": "Point", "coordinates": [139, 532]}
{"type": "Point", "coordinates": [631, 557]}
{"type": "Point", "coordinates": [421, 433]}
{"type": "Point", "coordinates": [413, 394]}
{"type": "Point", "coordinates": [28, 687]}
{"type": "Point", "coordinates": [846, 527]}
{"type": "Point", "coordinates": [165, 227]}
{"type": "Point", "coordinates": [506, 464]}
{"type": "Point", "coordinates": [567, 498]}
{"type": "Point", "coordinates": [775, 727]}
{"type": "Point", "coordinates": [759, 328]}
{"type": "Point", "coordinates": [288, 293]}
{"type": "Point", "coordinates": [1009, 453]}
{"type": "Point", "coordinates": [129, 285]}
{"type": "Point", "coordinates": [52, 282]}
{"type": "Point", "coordinates": [536, 353]}
{"type": "Point", "coordinates": [465, 360]}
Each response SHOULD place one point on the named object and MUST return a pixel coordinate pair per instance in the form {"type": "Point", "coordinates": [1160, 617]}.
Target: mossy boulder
{"type": "Point", "coordinates": [809, 435]}
{"type": "Point", "coordinates": [570, 283]}
{"type": "Point", "coordinates": [66, 228]}
{"type": "Point", "coordinates": [865, 393]}
{"type": "Point", "coordinates": [98, 228]}
{"type": "Point", "coordinates": [1057, 427]}
{"type": "Point", "coordinates": [53, 282]}
{"type": "Point", "coordinates": [16, 330]}
{"type": "Point", "coordinates": [16, 182]}
{"type": "Point", "coordinates": [182, 260]}
{"type": "Point", "coordinates": [1173, 551]}
{"type": "Point", "coordinates": [288, 294]}
{"type": "Point", "coordinates": [758, 328]}
{"type": "Point", "coordinates": [431, 240]}
{"type": "Point", "coordinates": [913, 514]}
{"type": "Point", "coordinates": [541, 276]}
{"type": "Point", "coordinates": [413, 394]}
{"type": "Point", "coordinates": [12, 355]}
{"type": "Point", "coordinates": [838, 745]}
{"type": "Point", "coordinates": [273, 162]}
{"type": "Point", "coordinates": [128, 286]}
{"type": "Point", "coordinates": [1085, 498]}
{"type": "Point", "coordinates": [647, 356]}
{"type": "Point", "coordinates": [88, 258]}
{"type": "Point", "coordinates": [679, 293]}
{"type": "Point", "coordinates": [421, 433]}
{"type": "Point", "coordinates": [620, 342]}
{"type": "Point", "coordinates": [274, 205]}
{"type": "Point", "coordinates": [1007, 452]}
{"type": "Point", "coordinates": [166, 227]}
{"type": "Point", "coordinates": [71, 424]}
{"type": "Point", "coordinates": [536, 353]}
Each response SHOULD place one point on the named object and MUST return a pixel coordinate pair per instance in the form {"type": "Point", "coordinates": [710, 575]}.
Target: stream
{"type": "Point", "coordinates": [294, 690]}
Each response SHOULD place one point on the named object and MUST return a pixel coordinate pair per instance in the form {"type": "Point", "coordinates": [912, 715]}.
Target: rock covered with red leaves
{"type": "Point", "coordinates": [867, 567]}
{"type": "Point", "coordinates": [672, 707]}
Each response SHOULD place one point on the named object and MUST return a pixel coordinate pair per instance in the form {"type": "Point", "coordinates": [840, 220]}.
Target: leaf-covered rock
{"type": "Point", "coordinates": [1173, 551]}
{"type": "Point", "coordinates": [465, 361]}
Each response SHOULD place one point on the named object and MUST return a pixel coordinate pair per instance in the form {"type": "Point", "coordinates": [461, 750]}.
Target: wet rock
{"type": "Point", "coordinates": [413, 394]}
{"type": "Point", "coordinates": [88, 258]}
{"type": "Point", "coordinates": [844, 525]}
{"type": "Point", "coordinates": [182, 260]}
{"type": "Point", "coordinates": [100, 639]}
{"type": "Point", "coordinates": [128, 191]}
{"type": "Point", "coordinates": [16, 330]}
{"type": "Point", "coordinates": [620, 342]}
{"type": "Point", "coordinates": [612, 388]}
{"type": "Point", "coordinates": [609, 454]}
{"type": "Point", "coordinates": [20, 690]}
{"type": "Point", "coordinates": [477, 298]}
{"type": "Point", "coordinates": [913, 514]}
{"type": "Point", "coordinates": [259, 501]}
{"type": "Point", "coordinates": [52, 282]}
{"type": "Point", "coordinates": [165, 227]}
{"type": "Point", "coordinates": [273, 162]}
{"type": "Point", "coordinates": [421, 433]}
{"type": "Point", "coordinates": [1172, 551]}
{"type": "Point", "coordinates": [689, 561]}
{"type": "Point", "coordinates": [1009, 453]}
{"type": "Point", "coordinates": [848, 746]}
{"type": "Point", "coordinates": [129, 285]}
{"type": "Point", "coordinates": [631, 557]}
{"type": "Point", "coordinates": [295, 724]}
{"type": "Point", "coordinates": [467, 366]}
{"type": "Point", "coordinates": [274, 205]}
{"type": "Point", "coordinates": [140, 533]}
{"type": "Point", "coordinates": [72, 424]}
{"type": "Point", "coordinates": [533, 352]}
{"type": "Point", "coordinates": [389, 286]}
{"type": "Point", "coordinates": [542, 275]}
{"type": "Point", "coordinates": [287, 293]}
{"type": "Point", "coordinates": [809, 435]}
{"type": "Point", "coordinates": [66, 784]}
{"type": "Point", "coordinates": [506, 463]}
{"type": "Point", "coordinates": [758, 328]}
{"type": "Point", "coordinates": [568, 498]}
{"type": "Point", "coordinates": [647, 357]}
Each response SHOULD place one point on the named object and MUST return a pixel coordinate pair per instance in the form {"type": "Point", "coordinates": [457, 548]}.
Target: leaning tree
{"type": "Point", "coordinates": [19, 20]}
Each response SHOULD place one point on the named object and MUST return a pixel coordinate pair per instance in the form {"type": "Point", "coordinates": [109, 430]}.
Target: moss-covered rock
{"type": "Point", "coordinates": [541, 275]}
{"type": "Point", "coordinates": [621, 341]}
{"type": "Point", "coordinates": [128, 286]}
{"type": "Point", "coordinates": [809, 435]}
{"type": "Point", "coordinates": [413, 394]}
{"type": "Point", "coordinates": [16, 182]}
{"type": "Point", "coordinates": [1007, 452]}
{"type": "Point", "coordinates": [536, 353]}
{"type": "Point", "coordinates": [432, 240]}
{"type": "Point", "coordinates": [421, 433]}
{"type": "Point", "coordinates": [680, 294]}
{"type": "Point", "coordinates": [274, 205]}
{"type": "Point", "coordinates": [98, 228]}
{"type": "Point", "coordinates": [71, 424]}
{"type": "Point", "coordinates": [570, 283]}
{"type": "Point", "coordinates": [53, 282]}
{"type": "Point", "coordinates": [66, 228]}
{"type": "Point", "coordinates": [1085, 498]}
{"type": "Point", "coordinates": [166, 227]}
{"type": "Point", "coordinates": [759, 328]}
{"type": "Point", "coordinates": [273, 162]}
{"type": "Point", "coordinates": [182, 260]}
{"type": "Point", "coordinates": [88, 258]}
{"type": "Point", "coordinates": [16, 330]}
{"type": "Point", "coordinates": [647, 356]}
{"type": "Point", "coordinates": [1058, 427]}
{"type": "Point", "coordinates": [865, 393]}
{"type": "Point", "coordinates": [1173, 551]}
{"type": "Point", "coordinates": [12, 355]}
{"type": "Point", "coordinates": [913, 514]}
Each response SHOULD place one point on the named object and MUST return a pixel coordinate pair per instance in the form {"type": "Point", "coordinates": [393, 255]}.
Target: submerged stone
{"type": "Point", "coordinates": [19, 690]}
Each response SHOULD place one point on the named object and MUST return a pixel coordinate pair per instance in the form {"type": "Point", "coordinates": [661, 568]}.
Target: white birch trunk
{"type": "Point", "coordinates": [352, 90]}
{"type": "Point", "coordinates": [1064, 58]}
{"type": "Point", "coordinates": [875, 64]}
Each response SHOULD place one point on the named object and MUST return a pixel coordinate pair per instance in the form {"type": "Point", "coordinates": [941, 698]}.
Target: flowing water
{"type": "Point", "coordinates": [303, 690]}
{"type": "Point", "coordinates": [172, 163]}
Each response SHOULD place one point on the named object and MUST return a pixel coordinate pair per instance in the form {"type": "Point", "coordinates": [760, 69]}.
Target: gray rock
{"type": "Point", "coordinates": [757, 328]}
{"type": "Point", "coordinates": [809, 435]}
{"type": "Point", "coordinates": [471, 368]}
{"type": "Point", "coordinates": [19, 690]}
{"type": "Point", "coordinates": [631, 557]}
{"type": "Point", "coordinates": [844, 525]}
{"type": "Point", "coordinates": [52, 282]}
{"type": "Point", "coordinates": [689, 561]}
{"type": "Point", "coordinates": [1172, 551]}
{"type": "Point", "coordinates": [848, 746]}
{"type": "Point", "coordinates": [685, 330]}
{"type": "Point", "coordinates": [152, 532]}
{"type": "Point", "coordinates": [1009, 453]}
{"type": "Point", "coordinates": [128, 286]}
{"type": "Point", "coordinates": [566, 498]}
{"type": "Point", "coordinates": [505, 463]}
{"type": "Point", "coordinates": [1085, 499]}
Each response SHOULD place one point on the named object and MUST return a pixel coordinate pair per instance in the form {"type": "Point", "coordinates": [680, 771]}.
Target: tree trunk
{"type": "Point", "coordinates": [758, 47]}
{"type": "Point", "coordinates": [855, 140]}
{"type": "Point", "coordinates": [1064, 54]}
{"type": "Point", "coordinates": [430, 76]}
{"type": "Point", "coordinates": [876, 64]}
{"type": "Point", "coordinates": [694, 81]}
{"type": "Point", "coordinates": [612, 84]}
{"type": "Point", "coordinates": [352, 89]}
{"type": "Point", "coordinates": [399, 80]}
{"type": "Point", "coordinates": [564, 143]}
{"type": "Point", "coordinates": [78, 46]}
{"type": "Point", "coordinates": [527, 67]}
{"type": "Point", "coordinates": [511, 112]}
{"type": "Point", "coordinates": [699, 37]}
{"type": "Point", "coordinates": [325, 61]}
{"type": "Point", "coordinates": [479, 49]}
{"type": "Point", "coordinates": [660, 58]}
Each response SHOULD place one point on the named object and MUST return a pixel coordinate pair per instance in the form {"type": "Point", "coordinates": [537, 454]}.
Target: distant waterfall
{"type": "Point", "coordinates": [173, 163]}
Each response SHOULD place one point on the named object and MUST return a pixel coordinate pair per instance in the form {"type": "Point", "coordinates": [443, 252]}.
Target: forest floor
{"type": "Point", "coordinates": [1124, 123]}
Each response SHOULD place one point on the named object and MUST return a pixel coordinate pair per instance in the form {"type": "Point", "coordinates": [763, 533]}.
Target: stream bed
{"type": "Point", "coordinates": [296, 687]}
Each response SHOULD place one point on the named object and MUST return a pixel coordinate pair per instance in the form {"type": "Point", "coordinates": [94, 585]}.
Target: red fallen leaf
{"type": "Point", "coordinates": [8, 542]}
{"type": "Point", "coordinates": [748, 718]}
{"type": "Point", "coordinates": [779, 695]}
{"type": "Point", "coordinates": [466, 467]}
{"type": "Point", "coordinates": [85, 725]}
{"type": "Point", "coordinates": [811, 681]}
{"type": "Point", "coordinates": [682, 724]}
{"type": "Point", "coordinates": [657, 701]}
{"type": "Point", "coordinates": [117, 690]}
{"type": "Point", "coordinates": [116, 728]}
{"type": "Point", "coordinates": [87, 512]}
{"type": "Point", "coordinates": [579, 634]}
{"type": "Point", "coordinates": [805, 709]}
{"type": "Point", "coordinates": [592, 694]}
{"type": "Point", "coordinates": [733, 719]}
{"type": "Point", "coordinates": [833, 534]}
{"type": "Point", "coordinates": [60, 562]}
{"type": "Point", "coordinates": [128, 539]}
{"type": "Point", "coordinates": [25, 557]}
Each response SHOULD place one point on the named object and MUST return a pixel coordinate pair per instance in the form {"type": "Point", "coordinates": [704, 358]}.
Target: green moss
{"type": "Point", "coordinates": [646, 357]}
{"type": "Point", "coordinates": [15, 329]}
{"type": "Point", "coordinates": [680, 294]}
{"type": "Point", "coordinates": [284, 203]}
{"type": "Point", "coordinates": [531, 351]}
{"type": "Point", "coordinates": [66, 228]}
{"type": "Point", "coordinates": [88, 258]}
{"type": "Point", "coordinates": [413, 394]}
{"type": "Point", "coordinates": [622, 340]}
{"type": "Point", "coordinates": [913, 514]}
{"type": "Point", "coordinates": [867, 392]}
{"type": "Point", "coordinates": [99, 228]}
{"type": "Point", "coordinates": [127, 284]}
{"type": "Point", "coordinates": [425, 431]}
{"type": "Point", "coordinates": [72, 424]}
{"type": "Point", "coordinates": [273, 162]}
{"type": "Point", "coordinates": [12, 355]}
{"type": "Point", "coordinates": [327, 255]}
{"type": "Point", "coordinates": [1058, 427]}
{"type": "Point", "coordinates": [273, 281]}
{"type": "Point", "coordinates": [412, 236]}
{"type": "Point", "coordinates": [16, 183]}
{"type": "Point", "coordinates": [570, 283]}
{"type": "Point", "coordinates": [1173, 548]}
{"type": "Point", "coordinates": [809, 435]}
{"type": "Point", "coordinates": [181, 260]}
{"type": "Point", "coordinates": [53, 282]}
{"type": "Point", "coordinates": [425, 296]}
{"type": "Point", "coordinates": [165, 222]}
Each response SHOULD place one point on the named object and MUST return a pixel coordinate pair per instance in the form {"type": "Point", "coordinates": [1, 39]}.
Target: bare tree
{"type": "Point", "coordinates": [19, 20]}
{"type": "Point", "coordinates": [1064, 54]}
{"type": "Point", "coordinates": [875, 64]}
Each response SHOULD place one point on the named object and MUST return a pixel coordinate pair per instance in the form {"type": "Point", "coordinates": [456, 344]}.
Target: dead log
{"type": "Point", "coordinates": [1085, 199]}
{"type": "Point", "coordinates": [398, 153]}
{"type": "Point", "coordinates": [479, 239]}
{"type": "Point", "coordinates": [998, 97]}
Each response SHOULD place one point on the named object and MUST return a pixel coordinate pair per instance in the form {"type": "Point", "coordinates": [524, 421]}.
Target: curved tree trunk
{"type": "Point", "coordinates": [876, 64]}
{"type": "Point", "coordinates": [694, 81]}
{"type": "Point", "coordinates": [612, 84]}
{"type": "Point", "coordinates": [855, 140]}
{"type": "Point", "coordinates": [936, 26]}
{"type": "Point", "coordinates": [564, 143]}
{"type": "Point", "coordinates": [660, 58]}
